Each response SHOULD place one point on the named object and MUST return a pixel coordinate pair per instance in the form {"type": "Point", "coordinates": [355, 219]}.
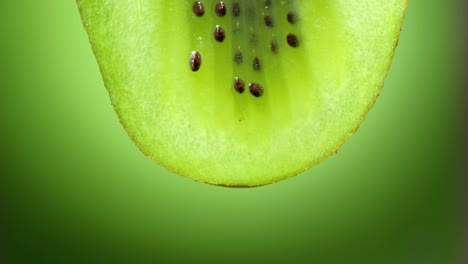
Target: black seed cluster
{"type": "Point", "coordinates": [292, 39]}
{"type": "Point", "coordinates": [219, 34]}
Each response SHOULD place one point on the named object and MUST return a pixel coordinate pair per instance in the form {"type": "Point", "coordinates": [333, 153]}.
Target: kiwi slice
{"type": "Point", "coordinates": [242, 92]}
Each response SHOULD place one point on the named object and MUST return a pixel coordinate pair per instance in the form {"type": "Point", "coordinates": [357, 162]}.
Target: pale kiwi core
{"type": "Point", "coordinates": [242, 93]}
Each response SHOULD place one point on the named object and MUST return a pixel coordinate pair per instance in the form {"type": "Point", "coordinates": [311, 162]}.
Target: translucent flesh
{"type": "Point", "coordinates": [196, 124]}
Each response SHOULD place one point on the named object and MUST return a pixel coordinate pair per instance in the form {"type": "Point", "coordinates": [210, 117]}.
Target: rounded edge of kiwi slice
{"type": "Point", "coordinates": [233, 183]}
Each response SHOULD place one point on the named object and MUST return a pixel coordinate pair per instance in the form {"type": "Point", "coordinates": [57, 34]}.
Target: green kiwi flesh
{"type": "Point", "coordinates": [242, 93]}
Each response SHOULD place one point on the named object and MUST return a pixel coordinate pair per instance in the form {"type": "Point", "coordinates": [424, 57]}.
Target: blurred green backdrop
{"type": "Point", "coordinates": [74, 188]}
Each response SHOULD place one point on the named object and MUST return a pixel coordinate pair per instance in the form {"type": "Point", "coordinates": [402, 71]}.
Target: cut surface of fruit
{"type": "Point", "coordinates": [242, 93]}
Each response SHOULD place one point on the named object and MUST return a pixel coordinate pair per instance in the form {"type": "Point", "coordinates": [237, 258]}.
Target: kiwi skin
{"type": "Point", "coordinates": [236, 185]}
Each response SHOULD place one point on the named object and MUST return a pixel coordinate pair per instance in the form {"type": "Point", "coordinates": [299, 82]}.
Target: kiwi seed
{"type": "Point", "coordinates": [292, 17]}
{"type": "Point", "coordinates": [256, 64]}
{"type": "Point", "coordinates": [239, 85]}
{"type": "Point", "coordinates": [198, 9]}
{"type": "Point", "coordinates": [236, 9]}
{"type": "Point", "coordinates": [220, 9]}
{"type": "Point", "coordinates": [255, 89]}
{"type": "Point", "coordinates": [195, 61]}
{"type": "Point", "coordinates": [292, 40]}
{"type": "Point", "coordinates": [238, 57]}
{"type": "Point", "coordinates": [219, 34]}
{"type": "Point", "coordinates": [274, 46]}
{"type": "Point", "coordinates": [268, 21]}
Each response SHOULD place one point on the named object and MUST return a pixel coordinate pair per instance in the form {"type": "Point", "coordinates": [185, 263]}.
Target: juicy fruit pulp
{"type": "Point", "coordinates": [242, 93]}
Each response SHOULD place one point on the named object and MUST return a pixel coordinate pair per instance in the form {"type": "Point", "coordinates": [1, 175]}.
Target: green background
{"type": "Point", "coordinates": [75, 189]}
